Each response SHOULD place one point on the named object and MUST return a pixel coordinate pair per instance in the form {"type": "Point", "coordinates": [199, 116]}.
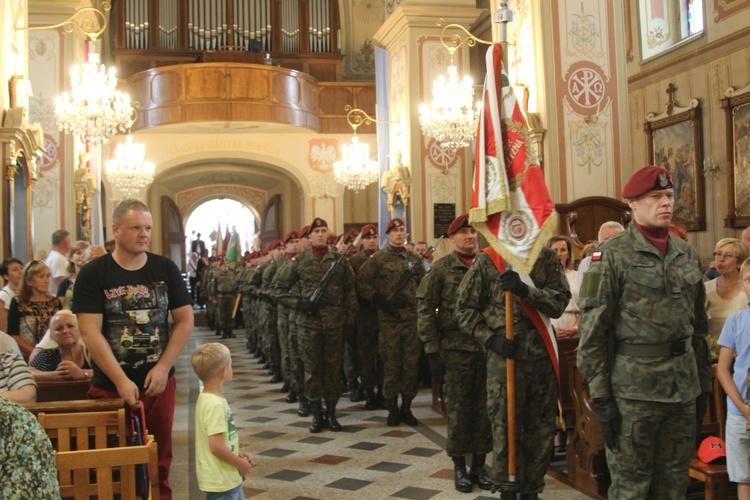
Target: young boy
{"type": "Point", "coordinates": [221, 467]}
{"type": "Point", "coordinates": [735, 339]}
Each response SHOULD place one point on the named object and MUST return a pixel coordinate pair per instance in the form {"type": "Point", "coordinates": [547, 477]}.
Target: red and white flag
{"type": "Point", "coordinates": [510, 204]}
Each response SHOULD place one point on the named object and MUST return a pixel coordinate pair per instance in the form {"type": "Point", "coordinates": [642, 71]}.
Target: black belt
{"type": "Point", "coordinates": [666, 350]}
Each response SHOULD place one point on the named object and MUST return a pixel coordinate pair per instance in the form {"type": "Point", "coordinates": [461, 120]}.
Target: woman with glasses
{"type": "Point", "coordinates": [31, 309]}
{"type": "Point", "coordinates": [724, 294]}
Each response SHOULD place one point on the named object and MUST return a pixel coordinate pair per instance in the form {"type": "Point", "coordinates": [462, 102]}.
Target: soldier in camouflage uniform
{"type": "Point", "coordinates": [643, 347]}
{"type": "Point", "coordinates": [460, 356]}
{"type": "Point", "coordinates": [399, 343]}
{"type": "Point", "coordinates": [371, 366]}
{"type": "Point", "coordinates": [224, 297]}
{"type": "Point", "coordinates": [351, 366]}
{"type": "Point", "coordinates": [321, 326]}
{"type": "Point", "coordinates": [291, 245]}
{"type": "Point", "coordinates": [242, 286]}
{"type": "Point", "coordinates": [270, 321]}
{"type": "Point", "coordinates": [209, 285]}
{"type": "Point", "coordinates": [480, 311]}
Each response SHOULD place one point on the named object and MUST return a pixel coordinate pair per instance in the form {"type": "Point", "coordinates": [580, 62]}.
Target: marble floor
{"type": "Point", "coordinates": [367, 460]}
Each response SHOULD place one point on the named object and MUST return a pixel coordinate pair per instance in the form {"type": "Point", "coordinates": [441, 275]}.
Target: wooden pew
{"type": "Point", "coordinates": [63, 390]}
{"type": "Point", "coordinates": [93, 455]}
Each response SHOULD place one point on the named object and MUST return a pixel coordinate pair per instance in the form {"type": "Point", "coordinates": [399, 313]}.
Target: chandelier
{"type": "Point", "coordinates": [128, 171]}
{"type": "Point", "coordinates": [356, 170]}
{"type": "Point", "coordinates": [451, 118]}
{"type": "Point", "coordinates": [94, 110]}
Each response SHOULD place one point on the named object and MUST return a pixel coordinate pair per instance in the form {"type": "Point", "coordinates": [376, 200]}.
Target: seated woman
{"type": "Point", "coordinates": [566, 325]}
{"type": "Point", "coordinates": [724, 294]}
{"type": "Point", "coordinates": [76, 262]}
{"type": "Point", "coordinates": [16, 382]}
{"type": "Point", "coordinates": [30, 310]}
{"type": "Point", "coordinates": [68, 360]}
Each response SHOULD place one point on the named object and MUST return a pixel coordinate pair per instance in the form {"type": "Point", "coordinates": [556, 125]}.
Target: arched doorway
{"type": "Point", "coordinates": [220, 216]}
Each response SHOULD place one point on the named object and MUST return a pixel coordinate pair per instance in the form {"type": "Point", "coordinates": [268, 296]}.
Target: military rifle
{"type": "Point", "coordinates": [409, 273]}
{"type": "Point", "coordinates": [328, 276]}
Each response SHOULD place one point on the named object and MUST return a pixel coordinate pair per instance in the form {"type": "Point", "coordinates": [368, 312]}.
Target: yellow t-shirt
{"type": "Point", "coordinates": [213, 416]}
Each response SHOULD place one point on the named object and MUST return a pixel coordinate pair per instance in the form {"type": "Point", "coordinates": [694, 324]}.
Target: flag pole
{"type": "Point", "coordinates": [502, 17]}
{"type": "Point", "coordinates": [510, 366]}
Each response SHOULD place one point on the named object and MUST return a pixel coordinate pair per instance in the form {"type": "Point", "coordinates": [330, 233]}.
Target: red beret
{"type": "Point", "coordinates": [369, 230]}
{"type": "Point", "coordinates": [264, 252]}
{"type": "Point", "coordinates": [393, 224]}
{"type": "Point", "coordinates": [318, 222]}
{"type": "Point", "coordinates": [304, 232]}
{"type": "Point", "coordinates": [332, 239]}
{"type": "Point", "coordinates": [350, 236]}
{"type": "Point", "coordinates": [291, 235]}
{"type": "Point", "coordinates": [458, 223]}
{"type": "Point", "coordinates": [647, 179]}
{"type": "Point", "coordinates": [275, 244]}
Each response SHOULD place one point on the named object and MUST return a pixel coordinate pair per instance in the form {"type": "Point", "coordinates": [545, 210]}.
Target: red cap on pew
{"type": "Point", "coordinates": [712, 448]}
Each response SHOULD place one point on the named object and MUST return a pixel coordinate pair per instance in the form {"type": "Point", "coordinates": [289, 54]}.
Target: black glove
{"type": "Point", "coordinates": [437, 370]}
{"type": "Point", "coordinates": [504, 347]}
{"type": "Point", "coordinates": [306, 306]}
{"type": "Point", "coordinates": [609, 419]}
{"type": "Point", "coordinates": [511, 281]}
{"type": "Point", "coordinates": [383, 304]}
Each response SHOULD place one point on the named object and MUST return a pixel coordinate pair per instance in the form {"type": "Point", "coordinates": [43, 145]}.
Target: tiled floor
{"type": "Point", "coordinates": [367, 460]}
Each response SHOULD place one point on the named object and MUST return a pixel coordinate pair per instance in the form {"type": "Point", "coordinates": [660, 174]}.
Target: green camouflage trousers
{"type": "Point", "coordinates": [370, 364]}
{"type": "Point", "coordinates": [465, 393]}
{"type": "Point", "coordinates": [651, 458]}
{"type": "Point", "coordinates": [282, 327]}
{"type": "Point", "coordinates": [271, 336]}
{"type": "Point", "coordinates": [224, 311]}
{"type": "Point", "coordinates": [296, 365]}
{"type": "Point", "coordinates": [399, 347]}
{"type": "Point", "coordinates": [536, 408]}
{"type": "Point", "coordinates": [247, 316]}
{"type": "Point", "coordinates": [322, 353]}
{"type": "Point", "coordinates": [351, 355]}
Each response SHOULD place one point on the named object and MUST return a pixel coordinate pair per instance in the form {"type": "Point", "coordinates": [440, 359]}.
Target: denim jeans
{"type": "Point", "coordinates": [233, 494]}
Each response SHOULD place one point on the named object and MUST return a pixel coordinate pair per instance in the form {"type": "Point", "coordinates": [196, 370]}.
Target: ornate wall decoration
{"type": "Point", "coordinates": [323, 186]}
{"type": "Point", "coordinates": [45, 190]}
{"type": "Point", "coordinates": [588, 144]}
{"type": "Point", "coordinates": [364, 60]}
{"type": "Point", "coordinates": [584, 34]}
{"type": "Point", "coordinates": [322, 154]}
{"type": "Point", "coordinates": [368, 11]}
{"type": "Point", "coordinates": [188, 200]}
{"type": "Point", "coordinates": [586, 87]}
{"type": "Point", "coordinates": [725, 8]}
{"type": "Point", "coordinates": [443, 188]}
{"type": "Point", "coordinates": [440, 158]}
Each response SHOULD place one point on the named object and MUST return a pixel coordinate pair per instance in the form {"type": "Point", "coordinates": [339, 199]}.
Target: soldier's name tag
{"type": "Point", "coordinates": [596, 256]}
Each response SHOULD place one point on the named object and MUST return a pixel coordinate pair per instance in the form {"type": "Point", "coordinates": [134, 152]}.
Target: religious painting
{"type": "Point", "coordinates": [737, 107]}
{"type": "Point", "coordinates": [675, 143]}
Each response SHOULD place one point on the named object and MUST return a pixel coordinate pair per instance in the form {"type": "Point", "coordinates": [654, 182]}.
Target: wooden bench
{"type": "Point", "coordinates": [64, 390]}
{"type": "Point", "coordinates": [92, 452]}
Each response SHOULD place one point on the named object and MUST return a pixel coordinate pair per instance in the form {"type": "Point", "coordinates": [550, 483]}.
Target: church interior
{"type": "Point", "coordinates": [260, 101]}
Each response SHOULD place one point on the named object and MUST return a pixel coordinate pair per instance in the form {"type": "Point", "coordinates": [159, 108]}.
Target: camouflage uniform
{"type": "Point", "coordinates": [271, 332]}
{"type": "Point", "coordinates": [633, 297]}
{"type": "Point", "coordinates": [480, 311]}
{"type": "Point", "coordinates": [465, 361]}
{"type": "Point", "coordinates": [209, 286]}
{"type": "Point", "coordinates": [242, 286]}
{"type": "Point", "coordinates": [370, 364]}
{"type": "Point", "coordinates": [224, 292]}
{"type": "Point", "coordinates": [399, 344]}
{"type": "Point", "coordinates": [322, 333]}
{"type": "Point", "coordinates": [259, 307]}
{"type": "Point", "coordinates": [282, 325]}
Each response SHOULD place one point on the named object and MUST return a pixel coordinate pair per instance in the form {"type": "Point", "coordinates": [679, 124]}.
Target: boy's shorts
{"type": "Point", "coordinates": [738, 449]}
{"type": "Point", "coordinates": [233, 494]}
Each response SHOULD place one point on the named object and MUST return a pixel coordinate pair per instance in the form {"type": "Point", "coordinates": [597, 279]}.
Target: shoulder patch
{"type": "Point", "coordinates": [596, 256]}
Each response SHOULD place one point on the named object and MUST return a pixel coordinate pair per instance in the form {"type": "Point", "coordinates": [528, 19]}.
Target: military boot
{"type": "Point", "coordinates": [460, 478]}
{"type": "Point", "coordinates": [406, 415]}
{"type": "Point", "coordinates": [508, 495]}
{"type": "Point", "coordinates": [478, 474]}
{"type": "Point", "coordinates": [392, 405]}
{"type": "Point", "coordinates": [230, 334]}
{"type": "Point", "coordinates": [317, 420]}
{"type": "Point", "coordinates": [304, 406]}
{"type": "Point", "coordinates": [219, 332]}
{"type": "Point", "coordinates": [333, 424]}
{"type": "Point", "coordinates": [370, 398]}
{"type": "Point", "coordinates": [529, 496]}
{"type": "Point", "coordinates": [276, 371]}
{"type": "Point", "coordinates": [291, 397]}
{"type": "Point", "coordinates": [285, 388]}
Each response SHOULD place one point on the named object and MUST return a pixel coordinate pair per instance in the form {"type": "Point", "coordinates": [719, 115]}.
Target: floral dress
{"type": "Point", "coordinates": [30, 320]}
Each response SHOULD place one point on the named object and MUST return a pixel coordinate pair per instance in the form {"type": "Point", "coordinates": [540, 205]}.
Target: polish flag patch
{"type": "Point", "coordinates": [596, 257]}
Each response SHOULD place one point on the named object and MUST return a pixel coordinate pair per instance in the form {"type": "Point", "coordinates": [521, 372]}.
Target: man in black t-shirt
{"type": "Point", "coordinates": [123, 300]}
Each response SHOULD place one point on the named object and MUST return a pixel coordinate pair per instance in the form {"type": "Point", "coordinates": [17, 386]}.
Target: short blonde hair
{"type": "Point", "coordinates": [745, 269]}
{"type": "Point", "coordinates": [739, 249]}
{"type": "Point", "coordinates": [209, 359]}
